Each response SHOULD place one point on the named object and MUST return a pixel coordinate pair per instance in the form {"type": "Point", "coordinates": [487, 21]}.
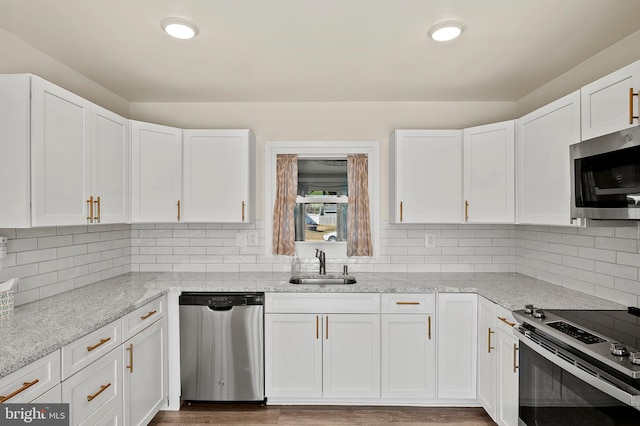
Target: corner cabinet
{"type": "Point", "coordinates": [542, 162]}
{"type": "Point", "coordinates": [322, 347]}
{"type": "Point", "coordinates": [426, 176]}
{"type": "Point", "coordinates": [611, 103]}
{"type": "Point", "coordinates": [489, 173]}
{"type": "Point", "coordinates": [156, 169]}
{"type": "Point", "coordinates": [219, 175]}
{"type": "Point", "coordinates": [457, 348]}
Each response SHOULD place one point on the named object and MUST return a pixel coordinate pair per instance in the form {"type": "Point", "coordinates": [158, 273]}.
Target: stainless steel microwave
{"type": "Point", "coordinates": [605, 176]}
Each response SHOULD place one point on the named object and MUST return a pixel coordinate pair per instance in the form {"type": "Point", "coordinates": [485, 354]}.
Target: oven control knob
{"type": "Point", "coordinates": [538, 313]}
{"type": "Point", "coordinates": [635, 357]}
{"type": "Point", "coordinates": [618, 349]}
{"type": "Point", "coordinates": [528, 309]}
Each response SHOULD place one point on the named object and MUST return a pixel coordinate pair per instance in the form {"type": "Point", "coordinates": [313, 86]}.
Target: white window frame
{"type": "Point", "coordinates": [322, 149]}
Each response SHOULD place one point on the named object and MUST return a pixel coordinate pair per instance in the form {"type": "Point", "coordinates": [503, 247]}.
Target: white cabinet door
{"type": "Point", "coordinates": [110, 166]}
{"type": "Point", "coordinates": [351, 355]}
{"type": "Point", "coordinates": [145, 374]}
{"type": "Point", "coordinates": [507, 409]}
{"type": "Point", "coordinates": [293, 355]}
{"type": "Point", "coordinates": [542, 150]}
{"type": "Point", "coordinates": [426, 176]}
{"type": "Point", "coordinates": [408, 356]}
{"type": "Point", "coordinates": [60, 123]}
{"type": "Point", "coordinates": [218, 169]}
{"type": "Point", "coordinates": [457, 345]}
{"type": "Point", "coordinates": [489, 173]}
{"type": "Point", "coordinates": [487, 355]}
{"type": "Point", "coordinates": [15, 151]}
{"type": "Point", "coordinates": [156, 166]}
{"type": "Point", "coordinates": [606, 103]}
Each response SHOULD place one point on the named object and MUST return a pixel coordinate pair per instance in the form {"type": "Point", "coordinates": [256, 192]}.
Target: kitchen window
{"type": "Point", "coordinates": [322, 194]}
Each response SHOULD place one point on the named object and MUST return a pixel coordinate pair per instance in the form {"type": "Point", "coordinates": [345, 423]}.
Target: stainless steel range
{"type": "Point", "coordinates": [579, 367]}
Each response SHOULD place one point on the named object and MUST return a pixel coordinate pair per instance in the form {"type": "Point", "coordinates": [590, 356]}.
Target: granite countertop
{"type": "Point", "coordinates": [39, 328]}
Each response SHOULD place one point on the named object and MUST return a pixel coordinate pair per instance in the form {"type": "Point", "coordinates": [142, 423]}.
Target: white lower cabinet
{"type": "Point", "coordinates": [96, 387]}
{"type": "Point", "coordinates": [457, 347]}
{"type": "Point", "coordinates": [330, 354]}
{"type": "Point", "coordinates": [31, 381]}
{"type": "Point", "coordinates": [408, 346]}
{"type": "Point", "coordinates": [497, 363]}
{"type": "Point", "coordinates": [145, 366]}
{"type": "Point", "coordinates": [52, 396]}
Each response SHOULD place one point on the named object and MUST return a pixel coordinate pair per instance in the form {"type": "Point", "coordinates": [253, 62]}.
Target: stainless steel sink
{"type": "Point", "coordinates": [323, 279]}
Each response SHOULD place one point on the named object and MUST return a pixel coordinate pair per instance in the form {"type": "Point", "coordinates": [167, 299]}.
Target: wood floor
{"type": "Point", "coordinates": [250, 414]}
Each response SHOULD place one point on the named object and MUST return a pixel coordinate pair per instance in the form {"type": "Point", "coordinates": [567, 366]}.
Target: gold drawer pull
{"type": "Point", "coordinates": [504, 320]}
{"type": "Point", "coordinates": [102, 389]}
{"type": "Point", "coordinates": [243, 211]}
{"type": "Point", "coordinates": [25, 386]}
{"type": "Point", "coordinates": [400, 211]}
{"type": "Point", "coordinates": [515, 358]}
{"type": "Point", "coordinates": [144, 317]}
{"type": "Point", "coordinates": [97, 202]}
{"type": "Point", "coordinates": [130, 366]}
{"type": "Point", "coordinates": [429, 323]}
{"type": "Point", "coordinates": [317, 328]}
{"type": "Point", "coordinates": [100, 343]}
{"type": "Point", "coordinates": [90, 202]}
{"type": "Point", "coordinates": [407, 303]}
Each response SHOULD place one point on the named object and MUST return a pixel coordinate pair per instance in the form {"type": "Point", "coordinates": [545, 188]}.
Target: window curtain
{"type": "Point", "coordinates": [358, 218]}
{"type": "Point", "coordinates": [284, 209]}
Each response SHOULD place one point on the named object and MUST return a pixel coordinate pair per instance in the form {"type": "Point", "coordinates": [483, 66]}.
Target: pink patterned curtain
{"type": "Point", "coordinates": [284, 239]}
{"type": "Point", "coordinates": [358, 218]}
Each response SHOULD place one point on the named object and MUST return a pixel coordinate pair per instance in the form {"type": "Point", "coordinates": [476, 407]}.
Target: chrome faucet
{"type": "Point", "coordinates": [323, 264]}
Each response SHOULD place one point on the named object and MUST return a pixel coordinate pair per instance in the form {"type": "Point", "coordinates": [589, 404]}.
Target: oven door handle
{"type": "Point", "coordinates": [601, 381]}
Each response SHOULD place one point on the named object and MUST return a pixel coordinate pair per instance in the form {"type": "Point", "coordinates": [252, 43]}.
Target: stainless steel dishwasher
{"type": "Point", "coordinates": [222, 346]}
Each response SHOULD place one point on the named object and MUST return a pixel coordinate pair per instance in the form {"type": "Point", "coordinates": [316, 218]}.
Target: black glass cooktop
{"type": "Point", "coordinates": [618, 326]}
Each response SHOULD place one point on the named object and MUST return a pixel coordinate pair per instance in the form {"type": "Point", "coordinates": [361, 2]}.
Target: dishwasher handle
{"type": "Point", "coordinates": [220, 305]}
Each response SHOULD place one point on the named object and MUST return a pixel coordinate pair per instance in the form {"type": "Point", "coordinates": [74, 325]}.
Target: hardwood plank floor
{"type": "Point", "coordinates": [251, 414]}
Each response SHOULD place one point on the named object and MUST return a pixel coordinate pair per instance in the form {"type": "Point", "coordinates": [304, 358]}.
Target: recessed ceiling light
{"type": "Point", "coordinates": [179, 28]}
{"type": "Point", "coordinates": [445, 31]}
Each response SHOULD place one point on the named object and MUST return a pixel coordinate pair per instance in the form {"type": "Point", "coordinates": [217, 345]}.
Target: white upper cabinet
{"type": "Point", "coordinates": [542, 162]}
{"type": "Point", "coordinates": [156, 167]}
{"type": "Point", "coordinates": [219, 175]}
{"type": "Point", "coordinates": [15, 148]}
{"type": "Point", "coordinates": [110, 167]}
{"type": "Point", "coordinates": [608, 104]}
{"type": "Point", "coordinates": [426, 176]}
{"type": "Point", "coordinates": [60, 123]}
{"type": "Point", "coordinates": [489, 173]}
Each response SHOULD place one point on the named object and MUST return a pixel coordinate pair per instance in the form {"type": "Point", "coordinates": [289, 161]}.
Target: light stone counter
{"type": "Point", "coordinates": [39, 328]}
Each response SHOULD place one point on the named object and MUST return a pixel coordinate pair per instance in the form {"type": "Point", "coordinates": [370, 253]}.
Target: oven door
{"type": "Point", "coordinates": [558, 389]}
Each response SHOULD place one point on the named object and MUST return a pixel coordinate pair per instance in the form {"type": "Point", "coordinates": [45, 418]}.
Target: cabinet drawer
{"type": "Point", "coordinates": [504, 319]}
{"type": "Point", "coordinates": [84, 351]}
{"type": "Point", "coordinates": [309, 303]}
{"type": "Point", "coordinates": [31, 380]}
{"type": "Point", "coordinates": [96, 387]}
{"type": "Point", "coordinates": [144, 316]}
{"type": "Point", "coordinates": [407, 303]}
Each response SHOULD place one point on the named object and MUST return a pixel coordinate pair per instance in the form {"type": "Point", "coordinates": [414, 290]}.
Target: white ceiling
{"type": "Point", "coordinates": [321, 50]}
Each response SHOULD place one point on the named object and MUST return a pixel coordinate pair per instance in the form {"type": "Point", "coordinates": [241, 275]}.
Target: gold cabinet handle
{"type": "Point", "coordinates": [97, 203]}
{"type": "Point", "coordinates": [25, 386]}
{"type": "Point", "coordinates": [130, 366]}
{"type": "Point", "coordinates": [327, 326]}
{"type": "Point", "coordinates": [466, 211]}
{"type": "Point", "coordinates": [407, 303]}
{"type": "Point", "coordinates": [243, 211]}
{"type": "Point", "coordinates": [178, 210]}
{"type": "Point", "coordinates": [631, 95]}
{"type": "Point", "coordinates": [90, 202]}
{"type": "Point", "coordinates": [317, 327]}
{"type": "Point", "coordinates": [400, 211]}
{"type": "Point", "coordinates": [429, 326]}
{"type": "Point", "coordinates": [144, 317]}
{"type": "Point", "coordinates": [504, 320]}
{"type": "Point", "coordinates": [489, 347]}
{"type": "Point", "coordinates": [102, 389]}
{"type": "Point", "coordinates": [515, 357]}
{"type": "Point", "coordinates": [100, 343]}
